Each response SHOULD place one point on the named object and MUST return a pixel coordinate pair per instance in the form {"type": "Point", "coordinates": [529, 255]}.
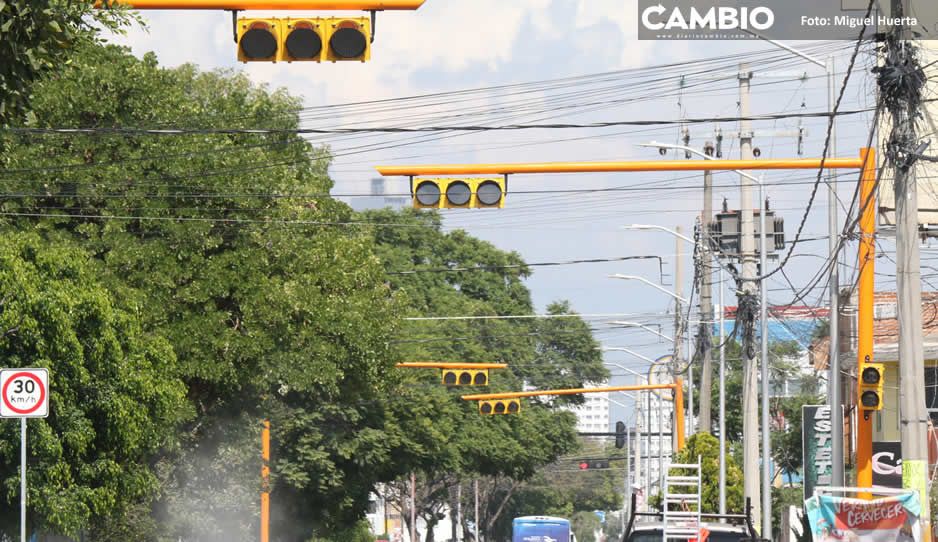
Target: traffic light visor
{"type": "Point", "coordinates": [514, 406]}
{"type": "Point", "coordinates": [871, 375]}
{"type": "Point", "coordinates": [348, 40]}
{"type": "Point", "coordinates": [427, 193]}
{"type": "Point", "coordinates": [485, 407]}
{"type": "Point", "coordinates": [259, 41]}
{"type": "Point", "coordinates": [303, 41]}
{"type": "Point", "coordinates": [458, 193]}
{"type": "Point", "coordinates": [489, 193]}
{"type": "Point", "coordinates": [869, 399]}
{"type": "Point", "coordinates": [480, 378]}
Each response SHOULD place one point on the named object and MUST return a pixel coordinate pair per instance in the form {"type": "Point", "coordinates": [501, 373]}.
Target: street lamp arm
{"type": "Point", "coordinates": [657, 227]}
{"type": "Point", "coordinates": [646, 281]}
{"type": "Point", "coordinates": [629, 351]}
{"type": "Point", "coordinates": [698, 153]}
{"type": "Point", "coordinates": [646, 328]}
{"type": "Point", "coordinates": [790, 49]}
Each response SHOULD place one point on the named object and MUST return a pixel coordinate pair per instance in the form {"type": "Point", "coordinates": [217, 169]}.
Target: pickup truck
{"type": "Point", "coordinates": [648, 527]}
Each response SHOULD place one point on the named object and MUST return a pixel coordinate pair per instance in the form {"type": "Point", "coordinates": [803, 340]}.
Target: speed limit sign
{"type": "Point", "coordinates": [24, 393]}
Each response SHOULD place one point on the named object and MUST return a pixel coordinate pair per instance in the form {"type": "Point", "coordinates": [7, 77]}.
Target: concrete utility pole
{"type": "Point", "coordinates": [748, 288]}
{"type": "Point", "coordinates": [678, 281]}
{"type": "Point", "coordinates": [476, 517]}
{"type": "Point", "coordinates": [900, 55]}
{"type": "Point", "coordinates": [722, 402]}
{"type": "Point", "coordinates": [706, 297]}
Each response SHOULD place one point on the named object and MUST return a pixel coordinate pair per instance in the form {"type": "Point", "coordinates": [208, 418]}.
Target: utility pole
{"type": "Point", "coordinates": [413, 507]}
{"type": "Point", "coordinates": [833, 326]}
{"type": "Point", "coordinates": [706, 298]}
{"type": "Point", "coordinates": [904, 105]}
{"type": "Point", "coordinates": [678, 281]}
{"type": "Point", "coordinates": [722, 403]}
{"type": "Point", "coordinates": [747, 295]}
{"type": "Point", "coordinates": [477, 520]}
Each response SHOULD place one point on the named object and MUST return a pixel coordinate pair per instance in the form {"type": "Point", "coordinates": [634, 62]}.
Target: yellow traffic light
{"type": "Point", "coordinates": [259, 40]}
{"type": "Point", "coordinates": [871, 386]}
{"type": "Point", "coordinates": [478, 193]}
{"type": "Point", "coordinates": [500, 406]}
{"type": "Point", "coordinates": [349, 38]}
{"type": "Point", "coordinates": [304, 39]}
{"type": "Point", "coordinates": [462, 377]}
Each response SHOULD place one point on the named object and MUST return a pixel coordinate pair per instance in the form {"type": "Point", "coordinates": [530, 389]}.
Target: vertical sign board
{"type": "Point", "coordinates": [817, 449]}
{"type": "Point", "coordinates": [25, 393]}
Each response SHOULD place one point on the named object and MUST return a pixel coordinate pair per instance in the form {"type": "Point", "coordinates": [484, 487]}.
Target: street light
{"type": "Point", "coordinates": [660, 228]}
{"type": "Point", "coordinates": [646, 328]}
{"type": "Point", "coordinates": [763, 304]}
{"type": "Point", "coordinates": [833, 230]}
{"type": "Point", "coordinates": [650, 283]}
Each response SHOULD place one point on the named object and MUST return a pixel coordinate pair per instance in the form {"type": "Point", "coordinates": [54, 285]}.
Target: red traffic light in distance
{"type": "Point", "coordinates": [584, 465]}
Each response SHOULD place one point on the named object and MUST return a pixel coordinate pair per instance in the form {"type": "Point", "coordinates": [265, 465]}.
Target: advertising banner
{"type": "Point", "coordinates": [890, 519]}
{"type": "Point", "coordinates": [887, 464]}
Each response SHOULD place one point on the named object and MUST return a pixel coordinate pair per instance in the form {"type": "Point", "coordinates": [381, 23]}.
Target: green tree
{"type": "Point", "coordinates": [584, 525]}
{"type": "Point", "coordinates": [707, 447]}
{"type": "Point", "coordinates": [114, 402]}
{"type": "Point", "coordinates": [272, 307]}
{"type": "Point", "coordinates": [38, 36]}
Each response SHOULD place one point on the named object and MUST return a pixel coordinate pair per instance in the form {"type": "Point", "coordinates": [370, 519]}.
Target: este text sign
{"type": "Point", "coordinates": [24, 393]}
{"type": "Point", "coordinates": [816, 445]}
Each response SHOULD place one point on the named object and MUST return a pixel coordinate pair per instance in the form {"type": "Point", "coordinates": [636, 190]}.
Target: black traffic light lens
{"type": "Point", "coordinates": [870, 375]}
{"type": "Point", "coordinates": [480, 379]}
{"type": "Point", "coordinates": [348, 43]}
{"type": "Point", "coordinates": [458, 193]}
{"type": "Point", "coordinates": [489, 193]}
{"type": "Point", "coordinates": [500, 407]}
{"type": "Point", "coordinates": [304, 43]}
{"type": "Point", "coordinates": [427, 193]}
{"type": "Point", "coordinates": [465, 378]}
{"type": "Point", "coordinates": [258, 42]}
{"type": "Point", "coordinates": [513, 407]}
{"type": "Point", "coordinates": [485, 408]}
{"type": "Point", "coordinates": [449, 378]}
{"type": "Point", "coordinates": [869, 399]}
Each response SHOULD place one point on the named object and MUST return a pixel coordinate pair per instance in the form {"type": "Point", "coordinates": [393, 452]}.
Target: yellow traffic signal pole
{"type": "Point", "coordinates": [867, 258]}
{"type": "Point", "coordinates": [677, 386]}
{"type": "Point", "coordinates": [240, 5]}
{"type": "Point", "coordinates": [448, 365]}
{"type": "Point", "coordinates": [265, 482]}
{"type": "Point", "coordinates": [620, 166]}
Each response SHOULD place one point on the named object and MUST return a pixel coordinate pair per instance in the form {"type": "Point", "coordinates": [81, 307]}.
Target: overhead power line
{"type": "Point", "coordinates": [402, 129]}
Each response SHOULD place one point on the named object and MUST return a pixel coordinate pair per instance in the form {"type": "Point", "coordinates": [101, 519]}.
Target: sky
{"type": "Point", "coordinates": [450, 45]}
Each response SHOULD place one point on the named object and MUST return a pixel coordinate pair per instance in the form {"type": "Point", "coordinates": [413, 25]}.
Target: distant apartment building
{"type": "Point", "coordinates": [593, 415]}
{"type": "Point", "coordinates": [383, 193]}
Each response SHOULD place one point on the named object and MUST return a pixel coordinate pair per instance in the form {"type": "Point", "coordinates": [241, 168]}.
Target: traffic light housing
{"type": "Point", "coordinates": [500, 406]}
{"type": "Point", "coordinates": [589, 464]}
{"type": "Point", "coordinates": [620, 434]}
{"type": "Point", "coordinates": [871, 386]}
{"type": "Point", "coordinates": [313, 39]}
{"type": "Point", "coordinates": [465, 377]}
{"type": "Point", "coordinates": [474, 193]}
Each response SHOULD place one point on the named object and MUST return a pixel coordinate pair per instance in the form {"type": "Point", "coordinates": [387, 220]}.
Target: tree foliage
{"type": "Point", "coordinates": [39, 36]}
{"type": "Point", "coordinates": [707, 447]}
{"type": "Point", "coordinates": [114, 401]}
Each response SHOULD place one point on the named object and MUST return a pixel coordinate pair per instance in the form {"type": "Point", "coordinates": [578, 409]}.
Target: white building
{"type": "Point", "coordinates": [593, 415]}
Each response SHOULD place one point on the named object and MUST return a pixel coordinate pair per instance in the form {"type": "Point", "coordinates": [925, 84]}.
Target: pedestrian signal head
{"type": "Point", "coordinates": [472, 193]}
{"type": "Point", "coordinates": [465, 377]}
{"type": "Point", "coordinates": [500, 406]}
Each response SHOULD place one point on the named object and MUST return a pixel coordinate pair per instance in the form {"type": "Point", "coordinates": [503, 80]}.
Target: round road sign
{"type": "Point", "coordinates": [25, 393]}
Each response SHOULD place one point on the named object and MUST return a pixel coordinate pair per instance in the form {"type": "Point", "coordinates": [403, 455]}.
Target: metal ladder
{"type": "Point", "coordinates": [681, 502]}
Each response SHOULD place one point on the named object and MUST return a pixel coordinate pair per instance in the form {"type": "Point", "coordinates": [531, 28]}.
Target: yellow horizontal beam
{"type": "Point", "coordinates": [597, 167]}
{"type": "Point", "coordinates": [313, 5]}
{"type": "Point", "coordinates": [573, 391]}
{"type": "Point", "coordinates": [448, 365]}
